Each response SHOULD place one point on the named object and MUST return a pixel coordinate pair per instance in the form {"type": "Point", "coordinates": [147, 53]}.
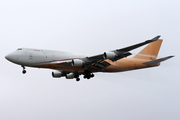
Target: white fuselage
{"type": "Point", "coordinates": [33, 57]}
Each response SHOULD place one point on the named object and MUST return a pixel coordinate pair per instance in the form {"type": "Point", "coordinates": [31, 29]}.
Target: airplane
{"type": "Point", "coordinates": [72, 66]}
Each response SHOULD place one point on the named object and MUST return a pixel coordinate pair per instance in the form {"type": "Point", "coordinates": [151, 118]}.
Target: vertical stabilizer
{"type": "Point", "coordinates": [151, 51]}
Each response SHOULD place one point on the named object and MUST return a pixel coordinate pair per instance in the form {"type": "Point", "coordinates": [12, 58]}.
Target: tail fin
{"type": "Point", "coordinates": [151, 51]}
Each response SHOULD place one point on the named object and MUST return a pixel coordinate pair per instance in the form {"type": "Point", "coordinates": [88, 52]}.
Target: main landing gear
{"type": "Point", "coordinates": [88, 74]}
{"type": "Point", "coordinates": [24, 71]}
{"type": "Point", "coordinates": [77, 79]}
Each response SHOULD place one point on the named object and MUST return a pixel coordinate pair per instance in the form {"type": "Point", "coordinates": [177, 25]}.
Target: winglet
{"type": "Point", "coordinates": [154, 39]}
{"type": "Point", "coordinates": [157, 61]}
{"type": "Point", "coordinates": [126, 49]}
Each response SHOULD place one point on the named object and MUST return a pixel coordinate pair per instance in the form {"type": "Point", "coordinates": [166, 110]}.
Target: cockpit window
{"type": "Point", "coordinates": [19, 49]}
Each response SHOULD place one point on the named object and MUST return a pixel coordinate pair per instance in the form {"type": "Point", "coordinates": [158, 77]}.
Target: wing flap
{"type": "Point", "coordinates": [99, 65]}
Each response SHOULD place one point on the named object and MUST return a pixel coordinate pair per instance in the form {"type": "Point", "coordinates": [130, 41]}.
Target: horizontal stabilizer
{"type": "Point", "coordinates": [155, 62]}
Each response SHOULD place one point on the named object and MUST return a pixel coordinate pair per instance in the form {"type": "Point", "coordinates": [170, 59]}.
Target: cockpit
{"type": "Point", "coordinates": [19, 49]}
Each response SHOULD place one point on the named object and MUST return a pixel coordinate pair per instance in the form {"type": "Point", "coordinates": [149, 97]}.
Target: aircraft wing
{"type": "Point", "coordinates": [119, 53]}
{"type": "Point", "coordinates": [126, 49]}
{"type": "Point", "coordinates": [98, 62]}
{"type": "Point", "coordinates": [96, 65]}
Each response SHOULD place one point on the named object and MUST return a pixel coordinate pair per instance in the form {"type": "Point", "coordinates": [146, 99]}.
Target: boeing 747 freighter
{"type": "Point", "coordinates": [72, 66]}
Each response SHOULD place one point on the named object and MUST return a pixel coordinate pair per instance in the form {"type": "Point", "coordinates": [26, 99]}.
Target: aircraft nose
{"type": "Point", "coordinates": [12, 57]}
{"type": "Point", "coordinates": [8, 57]}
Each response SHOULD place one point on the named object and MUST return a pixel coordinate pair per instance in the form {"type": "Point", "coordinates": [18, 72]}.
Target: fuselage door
{"type": "Point", "coordinates": [30, 56]}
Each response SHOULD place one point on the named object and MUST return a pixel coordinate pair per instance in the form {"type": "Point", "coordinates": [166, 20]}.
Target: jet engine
{"type": "Point", "coordinates": [77, 63]}
{"type": "Point", "coordinates": [57, 74]}
{"type": "Point", "coordinates": [109, 55]}
{"type": "Point", "coordinates": [70, 76]}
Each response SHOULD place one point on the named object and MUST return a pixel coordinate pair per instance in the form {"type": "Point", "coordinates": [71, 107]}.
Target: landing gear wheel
{"type": "Point", "coordinates": [77, 79]}
{"type": "Point", "coordinates": [92, 75]}
{"type": "Point", "coordinates": [88, 74]}
{"type": "Point", "coordinates": [24, 71]}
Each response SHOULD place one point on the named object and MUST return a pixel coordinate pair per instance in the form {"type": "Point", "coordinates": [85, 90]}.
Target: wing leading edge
{"type": "Point", "coordinates": [121, 53]}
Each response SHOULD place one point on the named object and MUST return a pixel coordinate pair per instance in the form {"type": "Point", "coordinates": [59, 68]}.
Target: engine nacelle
{"type": "Point", "coordinates": [77, 63]}
{"type": "Point", "coordinates": [109, 55]}
{"type": "Point", "coordinates": [70, 76]}
{"type": "Point", "coordinates": [57, 74]}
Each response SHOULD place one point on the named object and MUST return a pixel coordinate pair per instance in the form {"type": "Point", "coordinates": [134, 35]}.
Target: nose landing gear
{"type": "Point", "coordinates": [24, 71]}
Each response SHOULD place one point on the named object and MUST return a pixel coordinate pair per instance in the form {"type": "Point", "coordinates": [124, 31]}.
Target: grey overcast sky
{"type": "Point", "coordinates": [89, 28]}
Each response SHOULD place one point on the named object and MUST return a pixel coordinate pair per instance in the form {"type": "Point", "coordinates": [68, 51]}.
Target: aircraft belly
{"type": "Point", "coordinates": [61, 67]}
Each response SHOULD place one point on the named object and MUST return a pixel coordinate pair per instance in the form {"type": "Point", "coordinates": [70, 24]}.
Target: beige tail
{"type": "Point", "coordinates": [151, 51]}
